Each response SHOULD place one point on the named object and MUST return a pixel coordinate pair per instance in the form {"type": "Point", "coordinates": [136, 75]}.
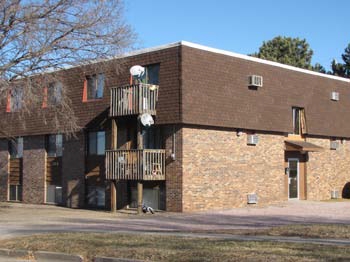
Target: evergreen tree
{"type": "Point", "coordinates": [287, 50]}
{"type": "Point", "coordinates": [338, 69]}
{"type": "Point", "coordinates": [319, 68]}
{"type": "Point", "coordinates": [346, 59]}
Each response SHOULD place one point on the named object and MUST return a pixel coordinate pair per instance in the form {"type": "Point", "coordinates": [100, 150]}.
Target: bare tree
{"type": "Point", "coordinates": [40, 36]}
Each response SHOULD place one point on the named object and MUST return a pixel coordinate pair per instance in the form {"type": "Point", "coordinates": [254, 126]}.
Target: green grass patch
{"type": "Point", "coordinates": [331, 231]}
{"type": "Point", "coordinates": [171, 248]}
{"type": "Point", "coordinates": [310, 231]}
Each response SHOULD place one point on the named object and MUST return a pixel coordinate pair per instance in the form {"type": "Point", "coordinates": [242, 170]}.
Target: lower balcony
{"type": "Point", "coordinates": [138, 164]}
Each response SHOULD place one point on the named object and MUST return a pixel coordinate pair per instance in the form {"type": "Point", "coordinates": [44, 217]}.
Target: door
{"type": "Point", "coordinates": [293, 178]}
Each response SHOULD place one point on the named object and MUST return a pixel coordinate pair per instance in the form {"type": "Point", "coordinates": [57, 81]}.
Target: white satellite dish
{"type": "Point", "coordinates": [146, 119]}
{"type": "Point", "coordinates": [137, 70]}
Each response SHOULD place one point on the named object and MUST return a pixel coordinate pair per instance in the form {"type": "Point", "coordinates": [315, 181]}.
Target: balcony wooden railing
{"type": "Point", "coordinates": [138, 164]}
{"type": "Point", "coordinates": [133, 100]}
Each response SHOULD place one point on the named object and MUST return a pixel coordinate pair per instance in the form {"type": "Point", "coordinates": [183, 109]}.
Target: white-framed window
{"type": "Point", "coordinates": [15, 193]}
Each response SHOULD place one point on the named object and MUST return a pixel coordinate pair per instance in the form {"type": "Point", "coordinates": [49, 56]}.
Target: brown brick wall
{"type": "Point", "coordinates": [116, 74]}
{"type": "Point", "coordinates": [4, 159]}
{"type": "Point", "coordinates": [220, 169]}
{"type": "Point", "coordinates": [328, 169]}
{"type": "Point", "coordinates": [215, 92]}
{"type": "Point", "coordinates": [73, 171]}
{"type": "Point", "coordinates": [174, 176]}
{"type": "Point", "coordinates": [34, 169]}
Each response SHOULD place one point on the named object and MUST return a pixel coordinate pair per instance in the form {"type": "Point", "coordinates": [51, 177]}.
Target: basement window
{"type": "Point", "coordinates": [299, 123]}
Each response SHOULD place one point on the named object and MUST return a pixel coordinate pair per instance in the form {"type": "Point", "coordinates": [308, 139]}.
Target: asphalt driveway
{"type": "Point", "coordinates": [21, 219]}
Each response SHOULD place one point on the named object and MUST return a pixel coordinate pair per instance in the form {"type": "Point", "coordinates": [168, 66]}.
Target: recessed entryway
{"type": "Point", "coordinates": [295, 175]}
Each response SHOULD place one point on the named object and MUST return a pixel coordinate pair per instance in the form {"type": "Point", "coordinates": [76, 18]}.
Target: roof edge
{"type": "Point", "coordinates": [261, 61]}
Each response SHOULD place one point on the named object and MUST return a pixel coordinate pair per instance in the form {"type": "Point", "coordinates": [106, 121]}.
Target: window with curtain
{"type": "Point", "coordinates": [299, 121]}
{"type": "Point", "coordinates": [95, 86]}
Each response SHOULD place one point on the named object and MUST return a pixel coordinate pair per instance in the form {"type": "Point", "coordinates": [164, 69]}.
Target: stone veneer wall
{"type": "Point", "coordinates": [34, 169]}
{"type": "Point", "coordinates": [4, 160]}
{"type": "Point", "coordinates": [327, 170]}
{"type": "Point", "coordinates": [220, 169]}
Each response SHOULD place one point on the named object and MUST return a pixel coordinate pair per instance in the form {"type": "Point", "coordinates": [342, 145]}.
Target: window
{"type": "Point", "coordinates": [299, 123]}
{"type": "Point", "coordinates": [54, 93]}
{"type": "Point", "coordinates": [16, 147]}
{"type": "Point", "coordinates": [96, 196]}
{"type": "Point", "coordinates": [93, 87]}
{"type": "Point", "coordinates": [54, 194]}
{"type": "Point", "coordinates": [151, 75]}
{"type": "Point", "coordinates": [15, 100]}
{"type": "Point", "coordinates": [15, 192]}
{"type": "Point", "coordinates": [96, 143]}
{"type": "Point", "coordinates": [54, 145]}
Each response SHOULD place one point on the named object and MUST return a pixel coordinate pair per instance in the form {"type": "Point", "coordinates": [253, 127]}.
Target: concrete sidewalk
{"type": "Point", "coordinates": [21, 219]}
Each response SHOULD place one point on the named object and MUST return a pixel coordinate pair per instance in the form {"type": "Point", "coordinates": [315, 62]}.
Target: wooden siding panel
{"type": "Point", "coordinates": [54, 170]}
{"type": "Point", "coordinates": [16, 171]}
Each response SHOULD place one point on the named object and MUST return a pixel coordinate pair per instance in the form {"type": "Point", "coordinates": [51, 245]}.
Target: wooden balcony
{"type": "Point", "coordinates": [138, 164]}
{"type": "Point", "coordinates": [133, 100]}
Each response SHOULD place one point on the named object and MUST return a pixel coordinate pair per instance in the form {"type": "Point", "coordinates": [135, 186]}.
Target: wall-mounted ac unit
{"type": "Point", "coordinates": [334, 145]}
{"type": "Point", "coordinates": [252, 198]}
{"type": "Point", "coordinates": [334, 194]}
{"type": "Point", "coordinates": [252, 139]}
{"type": "Point", "coordinates": [256, 81]}
{"type": "Point", "coordinates": [335, 96]}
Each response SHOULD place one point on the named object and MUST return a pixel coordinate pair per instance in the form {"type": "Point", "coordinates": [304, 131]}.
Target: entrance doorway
{"type": "Point", "coordinates": [295, 176]}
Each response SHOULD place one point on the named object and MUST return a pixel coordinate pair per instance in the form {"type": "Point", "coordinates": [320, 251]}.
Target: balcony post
{"type": "Point", "coordinates": [113, 182]}
{"type": "Point", "coordinates": [139, 183]}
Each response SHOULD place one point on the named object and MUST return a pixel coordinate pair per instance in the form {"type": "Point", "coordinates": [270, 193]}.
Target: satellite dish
{"type": "Point", "coordinates": [146, 120]}
{"type": "Point", "coordinates": [137, 71]}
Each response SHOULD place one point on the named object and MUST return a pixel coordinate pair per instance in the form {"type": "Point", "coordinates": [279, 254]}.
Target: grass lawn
{"type": "Point", "coordinates": [170, 248]}
{"type": "Point", "coordinates": [304, 231]}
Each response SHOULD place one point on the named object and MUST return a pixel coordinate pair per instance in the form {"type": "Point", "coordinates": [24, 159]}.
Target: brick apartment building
{"type": "Point", "coordinates": [228, 129]}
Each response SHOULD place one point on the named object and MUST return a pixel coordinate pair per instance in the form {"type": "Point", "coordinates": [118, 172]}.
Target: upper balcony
{"type": "Point", "coordinates": [134, 100]}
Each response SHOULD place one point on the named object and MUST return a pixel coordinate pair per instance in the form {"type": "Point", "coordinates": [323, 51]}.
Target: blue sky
{"type": "Point", "coordinates": [242, 26]}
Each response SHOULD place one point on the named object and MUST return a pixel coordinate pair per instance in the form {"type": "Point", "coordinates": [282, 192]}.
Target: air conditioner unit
{"type": "Point", "coordinates": [334, 194]}
{"type": "Point", "coordinates": [256, 81]}
{"type": "Point", "coordinates": [335, 96]}
{"type": "Point", "coordinates": [252, 139]}
{"type": "Point", "coordinates": [252, 198]}
{"type": "Point", "coordinates": [334, 145]}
